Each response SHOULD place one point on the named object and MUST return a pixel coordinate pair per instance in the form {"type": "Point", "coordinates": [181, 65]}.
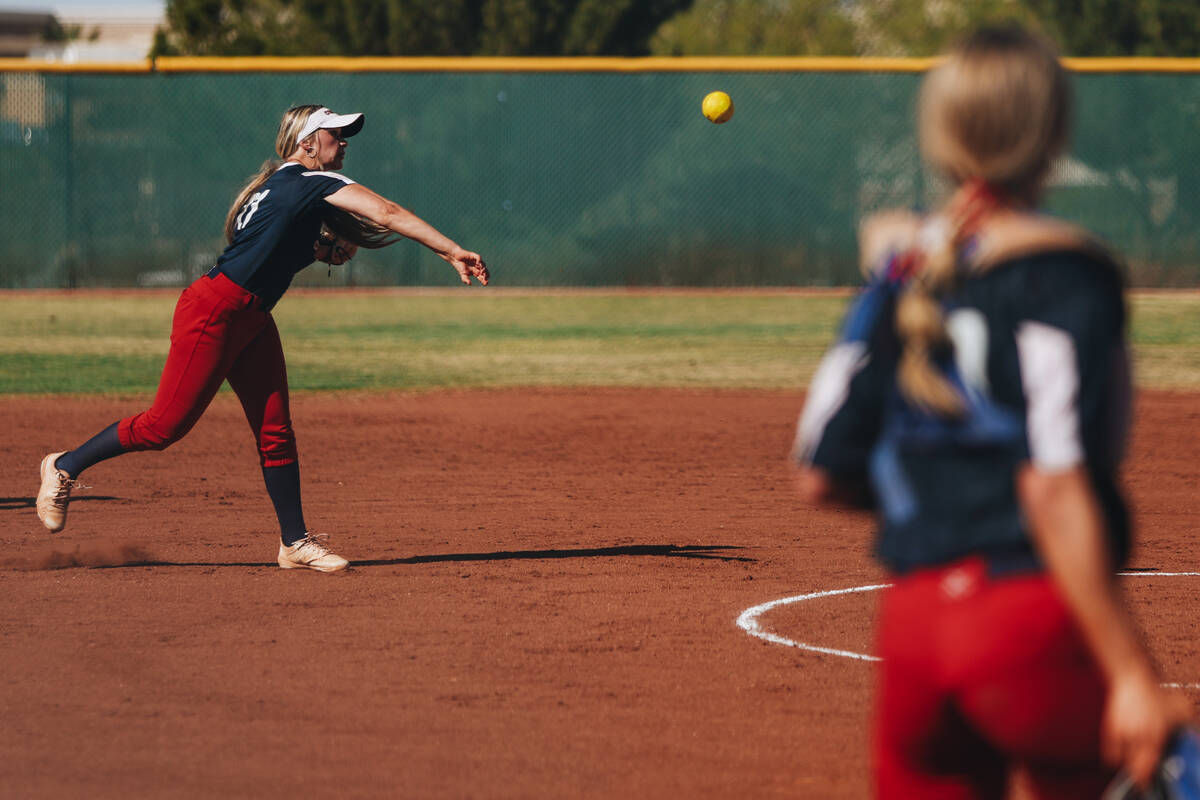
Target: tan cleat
{"type": "Point", "coordinates": [54, 495]}
{"type": "Point", "coordinates": [310, 553]}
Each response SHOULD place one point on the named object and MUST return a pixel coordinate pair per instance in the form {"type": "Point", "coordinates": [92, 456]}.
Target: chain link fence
{"type": "Point", "coordinates": [579, 178]}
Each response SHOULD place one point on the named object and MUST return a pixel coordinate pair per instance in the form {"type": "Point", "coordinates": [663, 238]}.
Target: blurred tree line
{"type": "Point", "coordinates": [412, 27]}
{"type": "Point", "coordinates": [662, 27]}
{"type": "Point", "coordinates": [925, 27]}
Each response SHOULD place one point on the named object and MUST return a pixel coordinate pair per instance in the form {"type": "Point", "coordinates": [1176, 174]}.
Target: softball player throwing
{"type": "Point", "coordinates": [978, 396]}
{"type": "Point", "coordinates": [287, 216]}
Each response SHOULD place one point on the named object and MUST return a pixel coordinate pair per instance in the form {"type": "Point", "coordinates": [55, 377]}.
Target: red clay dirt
{"type": "Point", "coordinates": [542, 602]}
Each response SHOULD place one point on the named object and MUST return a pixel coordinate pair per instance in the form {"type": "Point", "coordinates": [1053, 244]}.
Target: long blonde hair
{"type": "Point", "coordinates": [343, 224]}
{"type": "Point", "coordinates": [992, 118]}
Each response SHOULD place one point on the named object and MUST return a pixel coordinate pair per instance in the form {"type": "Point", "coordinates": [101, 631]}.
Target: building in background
{"type": "Point", "coordinates": [80, 33]}
{"type": "Point", "coordinates": [23, 31]}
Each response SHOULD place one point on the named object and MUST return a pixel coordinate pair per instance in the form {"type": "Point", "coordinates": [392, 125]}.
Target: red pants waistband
{"type": "Point", "coordinates": [223, 286]}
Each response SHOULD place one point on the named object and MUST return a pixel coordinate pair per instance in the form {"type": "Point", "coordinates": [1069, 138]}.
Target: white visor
{"type": "Point", "coordinates": [324, 118]}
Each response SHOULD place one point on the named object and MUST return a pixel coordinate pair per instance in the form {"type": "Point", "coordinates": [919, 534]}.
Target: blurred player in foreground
{"type": "Point", "coordinates": [287, 216]}
{"type": "Point", "coordinates": [978, 395]}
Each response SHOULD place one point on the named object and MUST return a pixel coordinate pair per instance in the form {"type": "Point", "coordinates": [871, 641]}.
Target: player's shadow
{"type": "Point", "coordinates": [14, 503]}
{"type": "Point", "coordinates": [713, 552]}
{"type": "Point", "coordinates": [717, 552]}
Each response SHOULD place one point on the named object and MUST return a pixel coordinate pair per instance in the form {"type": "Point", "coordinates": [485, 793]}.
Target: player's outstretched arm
{"type": "Point", "coordinates": [1067, 528]}
{"type": "Point", "coordinates": [360, 200]}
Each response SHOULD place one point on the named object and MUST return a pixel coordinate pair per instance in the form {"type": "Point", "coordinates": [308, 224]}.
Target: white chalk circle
{"type": "Point", "coordinates": [748, 620]}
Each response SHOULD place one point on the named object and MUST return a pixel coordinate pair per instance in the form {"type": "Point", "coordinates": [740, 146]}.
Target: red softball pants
{"type": "Point", "coordinates": [218, 333]}
{"type": "Point", "coordinates": [981, 675]}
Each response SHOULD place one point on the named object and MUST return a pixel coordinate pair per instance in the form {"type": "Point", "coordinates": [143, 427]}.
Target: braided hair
{"type": "Point", "coordinates": [992, 118]}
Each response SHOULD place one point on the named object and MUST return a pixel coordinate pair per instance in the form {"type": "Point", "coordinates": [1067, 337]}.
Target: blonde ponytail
{"type": "Point", "coordinates": [265, 171]}
{"type": "Point", "coordinates": [921, 324]}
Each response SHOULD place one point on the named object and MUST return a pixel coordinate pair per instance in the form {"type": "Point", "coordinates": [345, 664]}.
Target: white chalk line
{"type": "Point", "coordinates": [748, 619]}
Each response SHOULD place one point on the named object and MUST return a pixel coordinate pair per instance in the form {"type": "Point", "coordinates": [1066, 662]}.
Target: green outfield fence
{"type": "Point", "coordinates": [561, 172]}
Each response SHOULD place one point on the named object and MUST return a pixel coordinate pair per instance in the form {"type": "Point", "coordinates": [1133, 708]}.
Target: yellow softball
{"type": "Point", "coordinates": [717, 106]}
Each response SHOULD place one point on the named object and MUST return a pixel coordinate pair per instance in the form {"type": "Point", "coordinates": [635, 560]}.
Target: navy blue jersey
{"type": "Point", "coordinates": [1040, 358]}
{"type": "Point", "coordinates": [275, 229]}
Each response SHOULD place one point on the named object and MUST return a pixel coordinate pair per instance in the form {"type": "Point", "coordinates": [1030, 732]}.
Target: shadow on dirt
{"type": "Point", "coordinates": [717, 552]}
{"type": "Point", "coordinates": [12, 503]}
{"type": "Point", "coordinates": [114, 556]}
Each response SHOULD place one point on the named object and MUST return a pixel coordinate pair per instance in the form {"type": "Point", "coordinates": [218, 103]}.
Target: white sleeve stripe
{"type": "Point", "coordinates": [1050, 378]}
{"type": "Point", "coordinates": [827, 393]}
{"type": "Point", "coordinates": [337, 175]}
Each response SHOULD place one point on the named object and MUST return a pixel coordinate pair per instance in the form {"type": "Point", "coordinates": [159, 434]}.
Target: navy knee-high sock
{"type": "Point", "coordinates": [103, 445]}
{"type": "Point", "coordinates": [283, 485]}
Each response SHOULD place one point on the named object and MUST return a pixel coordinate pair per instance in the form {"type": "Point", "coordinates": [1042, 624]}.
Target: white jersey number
{"type": "Point", "coordinates": [967, 329]}
{"type": "Point", "coordinates": [243, 217]}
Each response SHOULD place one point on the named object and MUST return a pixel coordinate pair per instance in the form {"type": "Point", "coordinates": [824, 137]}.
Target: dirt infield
{"type": "Point", "coordinates": [542, 604]}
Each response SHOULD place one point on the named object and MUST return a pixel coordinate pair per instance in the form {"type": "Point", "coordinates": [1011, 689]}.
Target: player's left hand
{"type": "Point", "coordinates": [1139, 718]}
{"type": "Point", "coordinates": [468, 265]}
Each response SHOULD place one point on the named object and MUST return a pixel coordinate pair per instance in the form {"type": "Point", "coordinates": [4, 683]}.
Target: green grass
{"type": "Point", "coordinates": [1166, 339]}
{"type": "Point", "coordinates": [93, 342]}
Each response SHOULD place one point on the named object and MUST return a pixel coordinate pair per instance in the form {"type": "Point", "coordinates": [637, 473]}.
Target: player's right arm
{"type": "Point", "coordinates": [1068, 529]}
{"type": "Point", "coordinates": [360, 200]}
{"type": "Point", "coordinates": [1071, 351]}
